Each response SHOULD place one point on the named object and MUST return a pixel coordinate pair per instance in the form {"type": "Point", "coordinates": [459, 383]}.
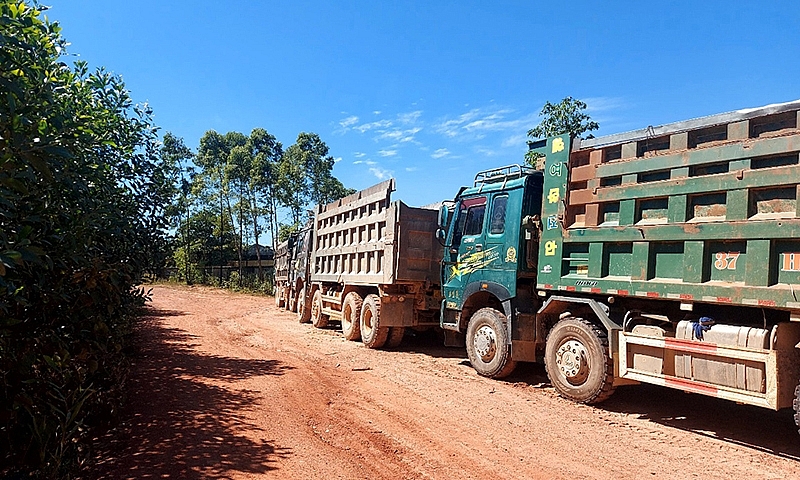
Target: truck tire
{"type": "Point", "coordinates": [303, 312]}
{"type": "Point", "coordinates": [351, 316]}
{"type": "Point", "coordinates": [487, 344]}
{"type": "Point", "coordinates": [396, 335]}
{"type": "Point", "coordinates": [577, 361]}
{"type": "Point", "coordinates": [372, 334]}
{"type": "Point", "coordinates": [291, 301]}
{"type": "Point", "coordinates": [318, 319]}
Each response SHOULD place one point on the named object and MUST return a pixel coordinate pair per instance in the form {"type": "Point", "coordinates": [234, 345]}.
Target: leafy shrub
{"type": "Point", "coordinates": [82, 193]}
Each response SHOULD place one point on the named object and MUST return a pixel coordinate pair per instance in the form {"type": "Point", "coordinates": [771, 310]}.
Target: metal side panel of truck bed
{"type": "Point", "coordinates": [366, 239]}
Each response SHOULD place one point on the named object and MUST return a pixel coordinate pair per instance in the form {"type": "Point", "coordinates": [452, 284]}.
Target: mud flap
{"type": "Point", "coordinates": [397, 311]}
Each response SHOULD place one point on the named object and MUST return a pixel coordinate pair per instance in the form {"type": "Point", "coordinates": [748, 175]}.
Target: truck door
{"type": "Point", "coordinates": [467, 250]}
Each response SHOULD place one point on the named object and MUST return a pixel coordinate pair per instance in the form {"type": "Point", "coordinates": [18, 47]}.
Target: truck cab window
{"type": "Point", "coordinates": [470, 218]}
{"type": "Point", "coordinates": [474, 222]}
{"type": "Point", "coordinates": [498, 221]}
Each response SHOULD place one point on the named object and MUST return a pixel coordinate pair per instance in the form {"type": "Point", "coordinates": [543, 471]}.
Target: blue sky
{"type": "Point", "coordinates": [431, 92]}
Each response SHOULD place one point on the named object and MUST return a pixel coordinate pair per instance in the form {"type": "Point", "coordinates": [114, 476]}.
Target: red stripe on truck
{"type": "Point", "coordinates": [690, 346]}
{"type": "Point", "coordinates": [691, 386]}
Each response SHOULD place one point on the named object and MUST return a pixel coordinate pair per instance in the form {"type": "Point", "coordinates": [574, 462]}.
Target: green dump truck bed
{"type": "Point", "coordinates": [699, 211]}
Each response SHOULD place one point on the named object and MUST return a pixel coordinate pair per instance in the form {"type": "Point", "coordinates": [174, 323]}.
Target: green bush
{"type": "Point", "coordinates": [82, 192]}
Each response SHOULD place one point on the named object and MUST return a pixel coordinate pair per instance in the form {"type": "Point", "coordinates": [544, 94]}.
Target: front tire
{"type": "Point", "coordinates": [372, 333]}
{"type": "Point", "coordinates": [351, 316]}
{"type": "Point", "coordinates": [291, 301]}
{"type": "Point", "coordinates": [577, 361]}
{"type": "Point", "coordinates": [318, 319]}
{"type": "Point", "coordinates": [487, 344]}
{"type": "Point", "coordinates": [279, 301]}
{"type": "Point", "coordinates": [303, 312]}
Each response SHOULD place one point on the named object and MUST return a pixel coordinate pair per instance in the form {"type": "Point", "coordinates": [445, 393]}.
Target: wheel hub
{"type": "Point", "coordinates": [485, 343]}
{"type": "Point", "coordinates": [572, 361]}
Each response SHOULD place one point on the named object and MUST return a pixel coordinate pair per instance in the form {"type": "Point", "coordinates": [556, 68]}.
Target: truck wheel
{"type": "Point", "coordinates": [487, 344]}
{"type": "Point", "coordinates": [303, 312]}
{"type": "Point", "coordinates": [396, 335]}
{"type": "Point", "coordinates": [372, 334]}
{"type": "Point", "coordinates": [577, 361]}
{"type": "Point", "coordinates": [318, 319]}
{"type": "Point", "coordinates": [351, 316]}
{"type": "Point", "coordinates": [291, 301]}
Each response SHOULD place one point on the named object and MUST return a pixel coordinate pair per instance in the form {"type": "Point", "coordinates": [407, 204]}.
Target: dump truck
{"type": "Point", "coordinates": [291, 272]}
{"type": "Point", "coordinates": [374, 266]}
{"type": "Point", "coordinates": [283, 259]}
{"type": "Point", "coordinates": [668, 255]}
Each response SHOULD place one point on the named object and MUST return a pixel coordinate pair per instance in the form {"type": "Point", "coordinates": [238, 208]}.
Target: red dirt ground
{"type": "Point", "coordinates": [227, 386]}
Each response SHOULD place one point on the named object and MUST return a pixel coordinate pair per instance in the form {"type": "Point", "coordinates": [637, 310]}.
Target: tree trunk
{"type": "Point", "coordinates": [254, 210]}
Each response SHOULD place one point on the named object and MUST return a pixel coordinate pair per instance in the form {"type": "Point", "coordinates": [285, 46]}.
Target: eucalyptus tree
{"type": "Point", "coordinates": [266, 151]}
{"type": "Point", "coordinates": [306, 176]}
{"type": "Point", "coordinates": [237, 172]}
{"type": "Point", "coordinates": [177, 156]}
{"type": "Point", "coordinates": [212, 157]}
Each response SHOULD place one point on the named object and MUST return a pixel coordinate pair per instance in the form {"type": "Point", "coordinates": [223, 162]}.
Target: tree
{"type": "Point", "coordinates": [306, 176]}
{"type": "Point", "coordinates": [567, 116]}
{"type": "Point", "coordinates": [212, 157]}
{"type": "Point", "coordinates": [176, 155]}
{"type": "Point", "coordinates": [267, 152]}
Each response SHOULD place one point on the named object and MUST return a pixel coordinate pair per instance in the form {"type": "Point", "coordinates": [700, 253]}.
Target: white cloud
{"type": "Point", "coordinates": [358, 162]}
{"type": "Point", "coordinates": [410, 117]}
{"type": "Point", "coordinates": [515, 141]}
{"type": "Point", "coordinates": [476, 123]}
{"type": "Point", "coordinates": [348, 122]}
{"type": "Point", "coordinates": [603, 104]}
{"type": "Point", "coordinates": [370, 162]}
{"type": "Point", "coordinates": [359, 154]}
{"type": "Point", "coordinates": [364, 162]}
{"type": "Point", "coordinates": [381, 173]}
{"type": "Point", "coordinates": [373, 125]}
{"type": "Point", "coordinates": [486, 151]}
{"type": "Point", "coordinates": [387, 153]}
{"type": "Point", "coordinates": [398, 135]}
{"type": "Point", "coordinates": [440, 153]}
{"type": "Point", "coordinates": [376, 112]}
{"type": "Point", "coordinates": [337, 159]}
{"type": "Point", "coordinates": [411, 169]}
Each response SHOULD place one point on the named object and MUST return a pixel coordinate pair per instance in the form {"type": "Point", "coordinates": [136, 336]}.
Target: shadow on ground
{"type": "Point", "coordinates": [758, 428]}
{"type": "Point", "coordinates": [764, 430]}
{"type": "Point", "coordinates": [177, 424]}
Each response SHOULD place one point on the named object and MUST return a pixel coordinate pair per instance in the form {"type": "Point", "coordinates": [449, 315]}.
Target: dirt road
{"type": "Point", "coordinates": [228, 386]}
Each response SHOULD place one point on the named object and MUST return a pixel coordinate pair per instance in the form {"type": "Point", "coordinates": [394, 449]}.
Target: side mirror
{"type": "Point", "coordinates": [444, 213]}
{"type": "Point", "coordinates": [441, 235]}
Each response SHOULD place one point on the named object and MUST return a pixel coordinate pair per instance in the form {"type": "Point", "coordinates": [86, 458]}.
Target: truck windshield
{"type": "Point", "coordinates": [470, 217]}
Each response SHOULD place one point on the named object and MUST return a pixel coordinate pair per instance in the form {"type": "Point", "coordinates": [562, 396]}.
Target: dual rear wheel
{"type": "Point", "coordinates": [373, 334]}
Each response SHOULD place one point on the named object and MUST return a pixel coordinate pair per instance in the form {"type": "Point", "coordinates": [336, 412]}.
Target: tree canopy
{"type": "Point", "coordinates": [566, 116]}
